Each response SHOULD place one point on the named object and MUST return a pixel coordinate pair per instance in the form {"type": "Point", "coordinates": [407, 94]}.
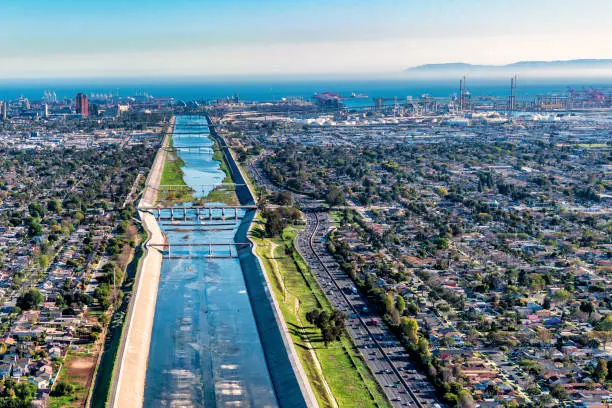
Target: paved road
{"type": "Point", "coordinates": [386, 357]}
{"type": "Point", "coordinates": [381, 350]}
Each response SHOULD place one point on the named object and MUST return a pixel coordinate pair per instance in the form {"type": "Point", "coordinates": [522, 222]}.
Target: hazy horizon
{"type": "Point", "coordinates": [68, 38]}
{"type": "Point", "coordinates": [553, 76]}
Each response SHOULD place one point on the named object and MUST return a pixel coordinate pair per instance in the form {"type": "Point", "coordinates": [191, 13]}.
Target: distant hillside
{"type": "Point", "coordinates": [602, 66]}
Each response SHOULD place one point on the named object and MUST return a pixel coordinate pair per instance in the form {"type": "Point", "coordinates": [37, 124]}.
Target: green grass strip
{"type": "Point", "coordinates": [297, 293]}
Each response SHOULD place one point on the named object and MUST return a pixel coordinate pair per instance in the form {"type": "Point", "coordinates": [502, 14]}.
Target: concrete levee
{"type": "Point", "coordinates": [128, 382]}
{"type": "Point", "coordinates": [288, 377]}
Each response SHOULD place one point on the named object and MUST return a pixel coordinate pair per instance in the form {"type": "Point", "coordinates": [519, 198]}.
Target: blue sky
{"type": "Point", "coordinates": [270, 37]}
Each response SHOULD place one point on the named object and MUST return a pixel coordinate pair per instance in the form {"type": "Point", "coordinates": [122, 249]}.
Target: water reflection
{"type": "Point", "coordinates": [205, 349]}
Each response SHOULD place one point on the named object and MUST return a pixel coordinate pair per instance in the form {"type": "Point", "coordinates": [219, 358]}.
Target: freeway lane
{"type": "Point", "coordinates": [381, 350]}
{"type": "Point", "coordinates": [385, 356]}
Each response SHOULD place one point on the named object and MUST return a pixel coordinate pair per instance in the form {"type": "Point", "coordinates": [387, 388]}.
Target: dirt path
{"type": "Point", "coordinates": [296, 308]}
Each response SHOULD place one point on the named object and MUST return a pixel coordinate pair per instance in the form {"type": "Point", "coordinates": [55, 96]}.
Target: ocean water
{"type": "Point", "coordinates": [274, 90]}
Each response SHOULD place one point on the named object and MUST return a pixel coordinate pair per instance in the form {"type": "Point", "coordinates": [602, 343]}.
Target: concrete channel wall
{"type": "Point", "coordinates": [288, 377]}
{"type": "Point", "coordinates": [128, 382]}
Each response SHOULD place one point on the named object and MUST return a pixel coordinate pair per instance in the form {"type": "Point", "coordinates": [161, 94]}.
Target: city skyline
{"type": "Point", "coordinates": [71, 39]}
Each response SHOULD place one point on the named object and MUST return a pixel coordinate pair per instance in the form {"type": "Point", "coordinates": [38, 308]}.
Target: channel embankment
{"type": "Point", "coordinates": [288, 377]}
{"type": "Point", "coordinates": [128, 385]}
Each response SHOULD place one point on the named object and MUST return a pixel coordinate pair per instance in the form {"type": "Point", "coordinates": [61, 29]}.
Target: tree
{"type": "Point", "coordinates": [492, 389]}
{"type": "Point", "coordinates": [282, 198]}
{"type": "Point", "coordinates": [54, 206]}
{"type": "Point", "coordinates": [561, 296]}
{"type": "Point", "coordinates": [450, 398]}
{"type": "Point", "coordinates": [35, 210]}
{"type": "Point", "coordinates": [43, 261]}
{"type": "Point", "coordinates": [34, 229]}
{"type": "Point", "coordinates": [25, 391]}
{"type": "Point", "coordinates": [587, 307]}
{"type": "Point", "coordinates": [335, 197]}
{"type": "Point", "coordinates": [275, 223]}
{"type": "Point", "coordinates": [413, 309]}
{"type": "Point", "coordinates": [602, 336]}
{"type": "Point", "coordinates": [330, 324]}
{"type": "Point", "coordinates": [389, 305]}
{"type": "Point", "coordinates": [60, 302]}
{"type": "Point", "coordinates": [423, 348]}
{"type": "Point", "coordinates": [441, 191]}
{"type": "Point", "coordinates": [30, 299]}
{"type": "Point", "coordinates": [410, 328]}
{"type": "Point", "coordinates": [601, 370]}
{"type": "Point", "coordinates": [123, 227]}
{"type": "Point", "coordinates": [103, 319]}
{"type": "Point", "coordinates": [313, 316]}
{"type": "Point", "coordinates": [465, 399]}
{"type": "Point", "coordinates": [559, 392]}
{"type": "Point", "coordinates": [400, 304]}
{"type": "Point", "coordinates": [605, 324]}
{"type": "Point", "coordinates": [544, 334]}
{"type": "Point", "coordinates": [441, 243]}
{"type": "Point", "coordinates": [62, 388]}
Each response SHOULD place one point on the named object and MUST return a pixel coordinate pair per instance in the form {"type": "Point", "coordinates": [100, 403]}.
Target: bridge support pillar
{"type": "Point", "coordinates": [230, 250]}
{"type": "Point", "coordinates": [210, 252]}
{"type": "Point", "coordinates": [172, 214]}
{"type": "Point", "coordinates": [235, 213]}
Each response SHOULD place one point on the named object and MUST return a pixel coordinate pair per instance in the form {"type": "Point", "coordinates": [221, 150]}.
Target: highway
{"type": "Point", "coordinates": [381, 350]}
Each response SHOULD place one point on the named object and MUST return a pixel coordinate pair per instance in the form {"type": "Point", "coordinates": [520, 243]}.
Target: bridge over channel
{"type": "Point", "coordinates": [197, 187]}
{"type": "Point", "coordinates": [204, 212]}
{"type": "Point", "coordinates": [189, 149]}
{"type": "Point", "coordinates": [191, 133]}
{"type": "Point", "coordinates": [232, 247]}
{"type": "Point", "coordinates": [182, 125]}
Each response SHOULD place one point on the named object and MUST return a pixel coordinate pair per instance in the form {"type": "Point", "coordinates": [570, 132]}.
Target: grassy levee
{"type": "Point", "coordinates": [297, 292]}
{"type": "Point", "coordinates": [173, 175]}
{"type": "Point", "coordinates": [222, 194]}
{"type": "Point", "coordinates": [106, 369]}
